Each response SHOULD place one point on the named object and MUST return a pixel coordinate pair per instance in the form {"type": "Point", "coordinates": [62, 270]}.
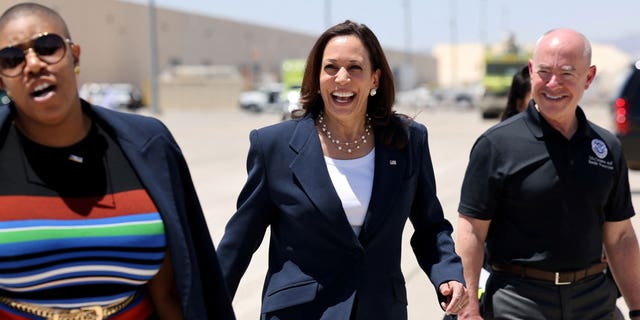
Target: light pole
{"type": "Point", "coordinates": [483, 23]}
{"type": "Point", "coordinates": [454, 42]}
{"type": "Point", "coordinates": [153, 52]}
{"type": "Point", "coordinates": [327, 14]}
{"type": "Point", "coordinates": [407, 32]}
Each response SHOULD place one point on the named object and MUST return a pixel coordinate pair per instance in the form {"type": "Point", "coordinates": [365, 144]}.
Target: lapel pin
{"type": "Point", "coordinates": [392, 162]}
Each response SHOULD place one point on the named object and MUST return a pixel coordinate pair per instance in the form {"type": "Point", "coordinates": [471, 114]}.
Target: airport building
{"type": "Point", "coordinates": [205, 62]}
{"type": "Point", "coordinates": [202, 61]}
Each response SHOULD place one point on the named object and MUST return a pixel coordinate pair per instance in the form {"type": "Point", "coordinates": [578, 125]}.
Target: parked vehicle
{"type": "Point", "coordinates": [497, 82]}
{"type": "Point", "coordinates": [292, 102]}
{"type": "Point", "coordinates": [454, 97]}
{"type": "Point", "coordinates": [500, 66]}
{"type": "Point", "coordinates": [420, 97]}
{"type": "Point", "coordinates": [281, 97]}
{"type": "Point", "coordinates": [118, 96]}
{"type": "Point", "coordinates": [265, 98]}
{"type": "Point", "coordinates": [627, 117]}
{"type": "Point", "coordinates": [292, 72]}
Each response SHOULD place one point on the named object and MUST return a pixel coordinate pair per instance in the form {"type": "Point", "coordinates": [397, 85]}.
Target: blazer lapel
{"type": "Point", "coordinates": [147, 159]}
{"type": "Point", "coordinates": [310, 170]}
{"type": "Point", "coordinates": [154, 173]}
{"type": "Point", "coordinates": [389, 171]}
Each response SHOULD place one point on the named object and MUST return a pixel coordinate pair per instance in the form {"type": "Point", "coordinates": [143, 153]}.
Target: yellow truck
{"type": "Point", "coordinates": [499, 72]}
{"type": "Point", "coordinates": [292, 74]}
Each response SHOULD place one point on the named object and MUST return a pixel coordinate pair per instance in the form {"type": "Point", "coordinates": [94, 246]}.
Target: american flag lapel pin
{"type": "Point", "coordinates": [392, 162]}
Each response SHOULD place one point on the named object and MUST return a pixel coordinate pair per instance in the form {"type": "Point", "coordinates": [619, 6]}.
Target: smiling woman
{"type": "Point", "coordinates": [336, 185]}
{"type": "Point", "coordinates": [82, 236]}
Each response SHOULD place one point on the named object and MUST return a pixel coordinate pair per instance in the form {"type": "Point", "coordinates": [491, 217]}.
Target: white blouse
{"type": "Point", "coordinates": [353, 181]}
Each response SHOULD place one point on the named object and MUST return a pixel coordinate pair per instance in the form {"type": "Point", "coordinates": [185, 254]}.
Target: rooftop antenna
{"type": "Point", "coordinates": [153, 52]}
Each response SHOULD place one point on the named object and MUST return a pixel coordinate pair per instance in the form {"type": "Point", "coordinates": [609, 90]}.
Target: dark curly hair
{"type": "Point", "coordinates": [389, 125]}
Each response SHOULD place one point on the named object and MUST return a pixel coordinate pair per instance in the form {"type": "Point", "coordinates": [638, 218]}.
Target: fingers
{"type": "Point", "coordinates": [445, 289]}
{"type": "Point", "coordinates": [457, 297]}
{"type": "Point", "coordinates": [455, 308]}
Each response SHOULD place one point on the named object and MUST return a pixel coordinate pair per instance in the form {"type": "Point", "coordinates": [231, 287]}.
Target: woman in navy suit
{"type": "Point", "coordinates": [336, 185]}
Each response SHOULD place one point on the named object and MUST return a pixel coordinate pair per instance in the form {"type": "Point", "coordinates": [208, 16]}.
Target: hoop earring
{"type": "Point", "coordinates": [373, 92]}
{"type": "Point", "coordinates": [76, 69]}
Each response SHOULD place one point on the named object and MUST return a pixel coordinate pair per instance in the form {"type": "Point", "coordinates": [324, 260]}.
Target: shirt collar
{"type": "Point", "coordinates": [539, 126]}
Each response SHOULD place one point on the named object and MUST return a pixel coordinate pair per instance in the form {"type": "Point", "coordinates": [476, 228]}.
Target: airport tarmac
{"type": "Point", "coordinates": [215, 144]}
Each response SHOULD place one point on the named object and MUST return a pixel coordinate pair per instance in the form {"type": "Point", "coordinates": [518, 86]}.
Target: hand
{"type": "Point", "coordinates": [457, 297]}
{"type": "Point", "coordinates": [472, 310]}
{"type": "Point", "coordinates": [468, 314]}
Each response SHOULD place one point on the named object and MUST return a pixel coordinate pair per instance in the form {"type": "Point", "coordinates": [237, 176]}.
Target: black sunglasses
{"type": "Point", "coordinates": [49, 47]}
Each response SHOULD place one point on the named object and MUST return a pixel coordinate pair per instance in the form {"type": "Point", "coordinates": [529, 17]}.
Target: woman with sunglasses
{"type": "Point", "coordinates": [98, 212]}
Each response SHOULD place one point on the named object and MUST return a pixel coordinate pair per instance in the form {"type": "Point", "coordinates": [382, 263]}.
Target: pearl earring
{"type": "Point", "coordinates": [373, 92]}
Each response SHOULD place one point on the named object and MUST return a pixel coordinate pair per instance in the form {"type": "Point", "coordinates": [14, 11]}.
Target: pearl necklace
{"type": "Point", "coordinates": [346, 146]}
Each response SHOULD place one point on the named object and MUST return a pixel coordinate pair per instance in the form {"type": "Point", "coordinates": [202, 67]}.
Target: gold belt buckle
{"type": "Point", "coordinates": [85, 313]}
{"type": "Point", "coordinates": [97, 310]}
{"type": "Point", "coordinates": [558, 283]}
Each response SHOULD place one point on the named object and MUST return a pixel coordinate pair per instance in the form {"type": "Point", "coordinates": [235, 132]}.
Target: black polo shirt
{"type": "Point", "coordinates": [547, 197]}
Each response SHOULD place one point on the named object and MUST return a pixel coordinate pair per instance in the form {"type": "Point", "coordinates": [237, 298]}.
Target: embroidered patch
{"type": "Point", "coordinates": [599, 148]}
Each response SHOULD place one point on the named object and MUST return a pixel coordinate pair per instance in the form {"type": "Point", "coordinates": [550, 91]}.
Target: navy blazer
{"type": "Point", "coordinates": [161, 167]}
{"type": "Point", "coordinates": [318, 267]}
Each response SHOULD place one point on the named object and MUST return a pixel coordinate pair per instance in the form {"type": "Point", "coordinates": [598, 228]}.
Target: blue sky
{"type": "Point", "coordinates": [431, 21]}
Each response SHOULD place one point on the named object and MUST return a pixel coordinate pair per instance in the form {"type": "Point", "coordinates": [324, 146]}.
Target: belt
{"type": "Point", "coordinates": [557, 278]}
{"type": "Point", "coordinates": [84, 313]}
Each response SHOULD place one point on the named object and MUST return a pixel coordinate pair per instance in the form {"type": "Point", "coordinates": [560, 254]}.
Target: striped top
{"type": "Point", "coordinates": [74, 234]}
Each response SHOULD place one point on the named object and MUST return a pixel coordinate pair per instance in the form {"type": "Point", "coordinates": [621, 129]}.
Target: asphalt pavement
{"type": "Point", "coordinates": [215, 144]}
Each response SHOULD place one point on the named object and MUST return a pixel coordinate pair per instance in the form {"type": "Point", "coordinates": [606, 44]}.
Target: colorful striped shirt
{"type": "Point", "coordinates": [74, 231]}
